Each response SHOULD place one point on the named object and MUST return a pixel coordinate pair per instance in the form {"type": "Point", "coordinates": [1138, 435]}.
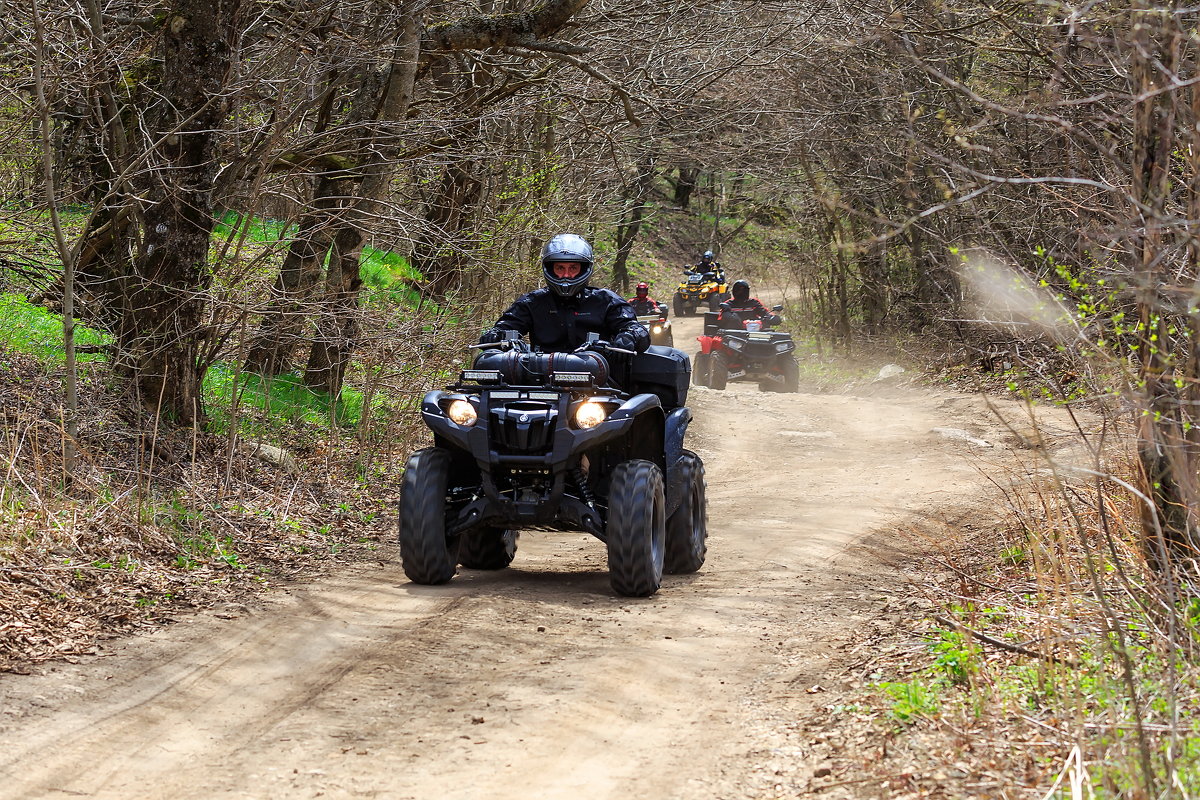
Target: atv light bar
{"type": "Point", "coordinates": [480, 376]}
{"type": "Point", "coordinates": [572, 378]}
{"type": "Point", "coordinates": [540, 395]}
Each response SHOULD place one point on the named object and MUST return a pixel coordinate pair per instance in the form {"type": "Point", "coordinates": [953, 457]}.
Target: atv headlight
{"type": "Point", "coordinates": [462, 413]}
{"type": "Point", "coordinates": [656, 329]}
{"type": "Point", "coordinates": [783, 347]}
{"type": "Point", "coordinates": [734, 344]}
{"type": "Point", "coordinates": [590, 414]}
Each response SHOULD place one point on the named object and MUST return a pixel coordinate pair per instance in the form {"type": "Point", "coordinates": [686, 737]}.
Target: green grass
{"type": "Point", "coordinates": [385, 274]}
{"type": "Point", "coordinates": [284, 399]}
{"type": "Point", "coordinates": [31, 329]}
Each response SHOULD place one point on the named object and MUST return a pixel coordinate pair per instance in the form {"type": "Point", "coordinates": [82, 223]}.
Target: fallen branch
{"type": "Point", "coordinates": [1012, 648]}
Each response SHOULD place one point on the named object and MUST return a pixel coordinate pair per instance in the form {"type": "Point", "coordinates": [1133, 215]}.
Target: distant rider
{"type": "Point", "coordinates": [746, 307]}
{"type": "Point", "coordinates": [642, 302]}
{"type": "Point", "coordinates": [558, 317]}
{"type": "Point", "coordinates": [710, 266]}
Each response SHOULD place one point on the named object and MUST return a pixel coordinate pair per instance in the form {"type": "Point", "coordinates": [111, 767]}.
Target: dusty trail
{"type": "Point", "coordinates": [534, 681]}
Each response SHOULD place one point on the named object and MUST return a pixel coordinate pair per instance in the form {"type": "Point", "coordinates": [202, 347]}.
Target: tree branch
{"type": "Point", "coordinates": [500, 30]}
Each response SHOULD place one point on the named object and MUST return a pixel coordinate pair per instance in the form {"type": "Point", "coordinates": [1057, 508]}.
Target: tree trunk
{"type": "Point", "coordinates": [439, 254]}
{"type": "Point", "coordinates": [281, 330]}
{"type": "Point", "coordinates": [874, 275]}
{"type": "Point", "coordinates": [162, 323]}
{"type": "Point", "coordinates": [631, 223]}
{"type": "Point", "coordinates": [1165, 452]}
{"type": "Point", "coordinates": [338, 326]}
{"type": "Point", "coordinates": [685, 185]}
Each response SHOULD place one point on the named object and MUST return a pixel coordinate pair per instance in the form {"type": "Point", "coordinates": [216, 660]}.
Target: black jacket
{"type": "Point", "coordinates": [561, 324]}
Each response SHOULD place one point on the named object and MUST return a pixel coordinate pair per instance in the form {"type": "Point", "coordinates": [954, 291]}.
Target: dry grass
{"type": "Point", "coordinates": [154, 521]}
{"type": "Point", "coordinates": [1045, 658]}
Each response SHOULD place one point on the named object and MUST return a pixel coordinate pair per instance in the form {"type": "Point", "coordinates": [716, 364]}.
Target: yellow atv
{"type": "Point", "coordinates": [698, 289]}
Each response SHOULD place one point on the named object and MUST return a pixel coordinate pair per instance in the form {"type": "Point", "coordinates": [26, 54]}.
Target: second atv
{"type": "Point", "coordinates": [659, 327]}
{"type": "Point", "coordinates": [733, 349]}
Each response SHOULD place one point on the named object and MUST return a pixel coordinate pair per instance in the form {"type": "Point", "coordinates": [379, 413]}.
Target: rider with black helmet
{"type": "Point", "coordinates": [558, 317]}
{"type": "Point", "coordinates": [708, 264]}
{"type": "Point", "coordinates": [747, 307]}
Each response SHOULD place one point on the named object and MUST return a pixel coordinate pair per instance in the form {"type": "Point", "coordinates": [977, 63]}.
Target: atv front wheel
{"type": "Point", "coordinates": [427, 553]}
{"type": "Point", "coordinates": [487, 548]}
{"type": "Point", "coordinates": [718, 375]}
{"type": "Point", "coordinates": [636, 528]}
{"type": "Point", "coordinates": [687, 528]}
{"type": "Point", "coordinates": [677, 304]}
{"type": "Point", "coordinates": [700, 368]}
{"type": "Point", "coordinates": [714, 302]}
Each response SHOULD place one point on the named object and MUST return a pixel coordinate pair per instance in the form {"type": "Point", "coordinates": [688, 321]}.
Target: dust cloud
{"type": "Point", "coordinates": [1005, 297]}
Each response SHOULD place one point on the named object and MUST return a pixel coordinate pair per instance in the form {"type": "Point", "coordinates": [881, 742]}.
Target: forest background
{"type": "Point", "coordinates": [237, 230]}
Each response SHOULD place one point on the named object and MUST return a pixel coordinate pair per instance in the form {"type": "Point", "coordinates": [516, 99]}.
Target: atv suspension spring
{"type": "Point", "coordinates": [581, 482]}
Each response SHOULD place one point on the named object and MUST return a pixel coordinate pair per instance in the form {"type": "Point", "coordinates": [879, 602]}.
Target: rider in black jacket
{"type": "Point", "coordinates": [558, 317]}
{"type": "Point", "coordinates": [747, 307]}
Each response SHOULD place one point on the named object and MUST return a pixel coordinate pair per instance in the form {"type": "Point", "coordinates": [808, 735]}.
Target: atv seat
{"type": "Point", "coordinates": [711, 326]}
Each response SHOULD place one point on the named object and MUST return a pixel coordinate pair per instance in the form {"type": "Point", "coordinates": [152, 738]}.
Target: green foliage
{"type": "Point", "coordinates": [912, 700]}
{"type": "Point", "coordinates": [27, 328]}
{"type": "Point", "coordinates": [954, 656]}
{"type": "Point", "coordinates": [388, 277]}
{"type": "Point", "coordinates": [1013, 556]}
{"type": "Point", "coordinates": [285, 399]}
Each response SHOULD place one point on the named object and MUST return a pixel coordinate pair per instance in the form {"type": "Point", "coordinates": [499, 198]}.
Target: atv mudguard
{"type": "Point", "coordinates": [676, 427]}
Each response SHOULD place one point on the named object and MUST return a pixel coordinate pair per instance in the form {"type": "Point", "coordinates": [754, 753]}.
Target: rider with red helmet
{"type": "Point", "coordinates": [642, 302]}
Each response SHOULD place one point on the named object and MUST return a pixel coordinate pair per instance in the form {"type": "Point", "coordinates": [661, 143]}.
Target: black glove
{"type": "Point", "coordinates": [491, 336]}
{"type": "Point", "coordinates": [625, 340]}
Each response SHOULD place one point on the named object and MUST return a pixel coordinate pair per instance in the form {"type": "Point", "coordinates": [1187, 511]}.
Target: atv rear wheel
{"type": "Point", "coordinates": [636, 528]}
{"type": "Point", "coordinates": [700, 367]}
{"type": "Point", "coordinates": [687, 528]}
{"type": "Point", "coordinates": [427, 553]}
{"type": "Point", "coordinates": [718, 374]}
{"type": "Point", "coordinates": [487, 548]}
{"type": "Point", "coordinates": [791, 375]}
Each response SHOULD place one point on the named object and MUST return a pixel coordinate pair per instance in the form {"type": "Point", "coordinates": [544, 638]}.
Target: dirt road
{"type": "Point", "coordinates": [535, 681]}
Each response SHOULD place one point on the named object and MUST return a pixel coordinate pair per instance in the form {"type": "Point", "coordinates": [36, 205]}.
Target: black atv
{"type": "Point", "coordinates": [733, 349]}
{"type": "Point", "coordinates": [558, 441]}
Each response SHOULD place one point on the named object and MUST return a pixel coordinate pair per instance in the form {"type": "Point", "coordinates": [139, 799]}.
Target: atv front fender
{"type": "Point", "coordinates": [572, 441]}
{"type": "Point", "coordinates": [676, 428]}
{"type": "Point", "coordinates": [437, 421]}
